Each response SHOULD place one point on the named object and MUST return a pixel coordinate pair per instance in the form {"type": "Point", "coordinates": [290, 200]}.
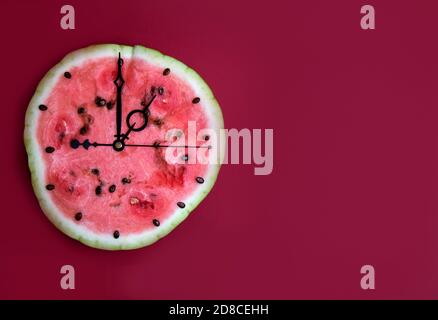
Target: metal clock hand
{"type": "Point", "coordinates": [119, 82]}
{"type": "Point", "coordinates": [87, 144]}
{"type": "Point", "coordinates": [157, 145]}
{"type": "Point", "coordinates": [144, 113]}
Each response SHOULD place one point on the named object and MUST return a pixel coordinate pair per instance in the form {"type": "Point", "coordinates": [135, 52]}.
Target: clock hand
{"type": "Point", "coordinates": [119, 82]}
{"type": "Point", "coordinates": [144, 113]}
{"type": "Point", "coordinates": [157, 145]}
{"type": "Point", "coordinates": [87, 144]}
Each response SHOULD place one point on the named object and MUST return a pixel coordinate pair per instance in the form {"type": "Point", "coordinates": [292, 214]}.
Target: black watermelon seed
{"type": "Point", "coordinates": [158, 122]}
{"type": "Point", "coordinates": [112, 188]}
{"type": "Point", "coordinates": [116, 234]}
{"type": "Point", "coordinates": [81, 110]}
{"type": "Point", "coordinates": [186, 157]}
{"type": "Point", "coordinates": [166, 72]}
{"type": "Point", "coordinates": [83, 130]}
{"type": "Point", "coordinates": [199, 180]}
{"type": "Point", "coordinates": [67, 75]}
{"type": "Point", "coordinates": [78, 216]}
{"type": "Point", "coordinates": [109, 105]}
{"type": "Point", "coordinates": [42, 107]}
{"type": "Point", "coordinates": [181, 205]}
{"type": "Point", "coordinates": [196, 100]}
{"type": "Point", "coordinates": [95, 171]}
{"type": "Point", "coordinates": [50, 187]}
{"type": "Point", "coordinates": [160, 91]}
{"type": "Point", "coordinates": [156, 222]}
{"type": "Point", "coordinates": [50, 149]}
{"type": "Point", "coordinates": [75, 144]}
{"type": "Point", "coordinates": [98, 190]}
{"type": "Point", "coordinates": [100, 102]}
{"type": "Point", "coordinates": [126, 180]}
{"type": "Point", "coordinates": [206, 138]}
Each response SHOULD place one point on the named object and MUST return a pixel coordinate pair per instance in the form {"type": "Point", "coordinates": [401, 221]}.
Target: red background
{"type": "Point", "coordinates": [355, 176]}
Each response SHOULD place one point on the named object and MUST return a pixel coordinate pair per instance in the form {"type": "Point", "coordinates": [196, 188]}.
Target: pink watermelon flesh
{"type": "Point", "coordinates": [147, 188]}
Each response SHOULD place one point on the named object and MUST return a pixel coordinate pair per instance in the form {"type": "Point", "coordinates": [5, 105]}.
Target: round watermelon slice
{"type": "Point", "coordinates": [129, 197]}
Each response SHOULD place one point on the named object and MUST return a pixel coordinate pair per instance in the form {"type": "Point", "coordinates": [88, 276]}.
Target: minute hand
{"type": "Point", "coordinates": [119, 82]}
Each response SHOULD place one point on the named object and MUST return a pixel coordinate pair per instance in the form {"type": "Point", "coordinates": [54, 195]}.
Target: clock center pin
{"type": "Point", "coordinates": [118, 145]}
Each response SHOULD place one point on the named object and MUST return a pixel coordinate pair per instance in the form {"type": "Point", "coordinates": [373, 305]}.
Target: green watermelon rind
{"type": "Point", "coordinates": [36, 166]}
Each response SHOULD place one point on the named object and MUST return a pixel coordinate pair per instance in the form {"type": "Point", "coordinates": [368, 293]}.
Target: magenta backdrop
{"type": "Point", "coordinates": [355, 181]}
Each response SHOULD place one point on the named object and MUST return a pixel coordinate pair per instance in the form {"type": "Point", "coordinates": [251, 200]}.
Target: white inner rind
{"type": "Point", "coordinates": [35, 157]}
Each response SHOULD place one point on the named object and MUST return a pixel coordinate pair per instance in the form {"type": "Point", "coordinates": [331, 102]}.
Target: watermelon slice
{"type": "Point", "coordinates": [119, 199]}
